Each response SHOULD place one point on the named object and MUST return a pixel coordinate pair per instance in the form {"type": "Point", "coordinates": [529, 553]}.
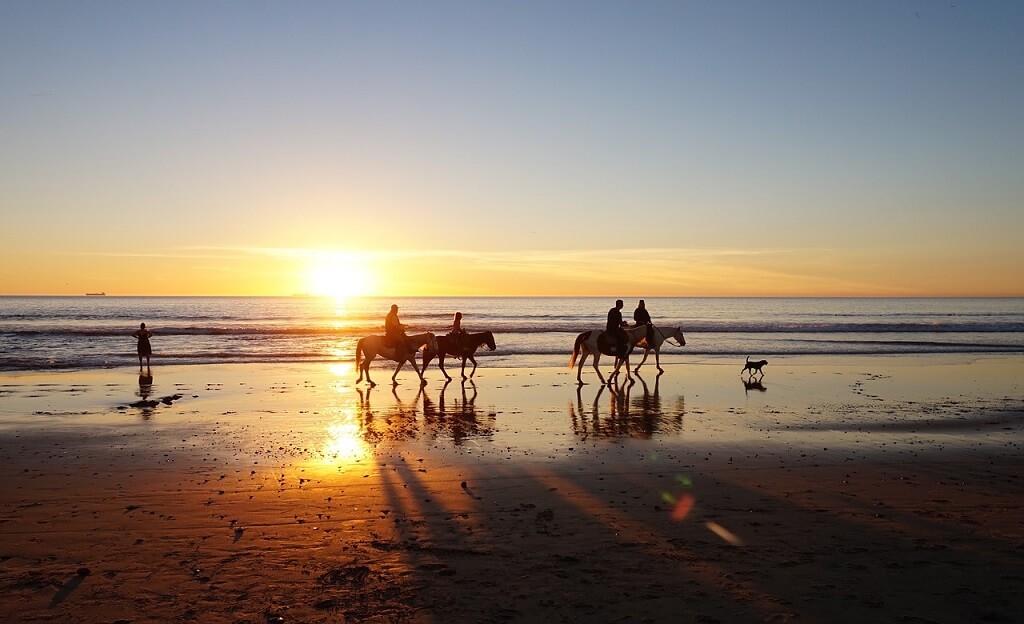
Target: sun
{"type": "Point", "coordinates": [340, 276]}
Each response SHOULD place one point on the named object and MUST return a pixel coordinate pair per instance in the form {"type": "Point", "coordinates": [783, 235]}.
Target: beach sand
{"type": "Point", "coordinates": [869, 489]}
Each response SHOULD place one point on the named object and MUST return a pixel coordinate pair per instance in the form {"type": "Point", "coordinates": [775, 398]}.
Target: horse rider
{"type": "Point", "coordinates": [457, 333]}
{"type": "Point", "coordinates": [642, 317]}
{"type": "Point", "coordinates": [614, 328]}
{"type": "Point", "coordinates": [394, 332]}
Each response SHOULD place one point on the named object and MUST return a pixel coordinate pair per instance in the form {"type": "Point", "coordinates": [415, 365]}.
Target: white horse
{"type": "Point", "coordinates": [372, 346]}
{"type": "Point", "coordinates": [660, 336]}
{"type": "Point", "coordinates": [587, 344]}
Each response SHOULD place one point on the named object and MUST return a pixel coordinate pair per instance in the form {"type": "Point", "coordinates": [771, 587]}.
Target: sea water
{"type": "Point", "coordinates": [40, 333]}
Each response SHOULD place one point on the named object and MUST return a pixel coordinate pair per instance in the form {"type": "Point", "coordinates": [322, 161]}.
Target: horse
{"type": "Point", "coordinates": [660, 336]}
{"type": "Point", "coordinates": [372, 346]}
{"type": "Point", "coordinates": [466, 347]}
{"type": "Point", "coordinates": [587, 344]}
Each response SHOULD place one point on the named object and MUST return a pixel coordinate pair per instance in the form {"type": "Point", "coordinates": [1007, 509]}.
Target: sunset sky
{"type": "Point", "coordinates": [512, 148]}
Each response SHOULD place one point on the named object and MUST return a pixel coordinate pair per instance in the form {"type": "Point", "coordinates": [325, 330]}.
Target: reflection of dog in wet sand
{"type": "Point", "coordinates": [754, 367]}
{"type": "Point", "coordinates": [753, 384]}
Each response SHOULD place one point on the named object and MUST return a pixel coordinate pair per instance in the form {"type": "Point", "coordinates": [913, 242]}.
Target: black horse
{"type": "Point", "coordinates": [463, 346]}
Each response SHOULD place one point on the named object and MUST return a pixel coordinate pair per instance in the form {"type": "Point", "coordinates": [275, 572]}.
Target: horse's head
{"type": "Point", "coordinates": [677, 333]}
{"type": "Point", "coordinates": [490, 341]}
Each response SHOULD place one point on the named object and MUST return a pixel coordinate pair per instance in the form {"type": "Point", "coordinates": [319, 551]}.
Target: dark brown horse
{"type": "Point", "coordinates": [463, 346]}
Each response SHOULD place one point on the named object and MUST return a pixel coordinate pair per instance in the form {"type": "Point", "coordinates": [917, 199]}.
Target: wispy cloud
{"type": "Point", "coordinates": [662, 270]}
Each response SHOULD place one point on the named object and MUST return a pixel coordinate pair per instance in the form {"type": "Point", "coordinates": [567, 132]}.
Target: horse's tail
{"type": "Point", "coordinates": [577, 349]}
{"type": "Point", "coordinates": [359, 352]}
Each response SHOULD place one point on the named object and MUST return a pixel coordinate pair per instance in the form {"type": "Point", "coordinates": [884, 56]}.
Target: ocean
{"type": "Point", "coordinates": [45, 333]}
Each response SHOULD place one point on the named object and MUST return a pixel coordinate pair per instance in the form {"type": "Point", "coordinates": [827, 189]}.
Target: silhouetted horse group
{"type": "Point", "coordinates": [596, 343]}
{"type": "Point", "coordinates": [462, 346]}
{"type": "Point", "coordinates": [465, 346]}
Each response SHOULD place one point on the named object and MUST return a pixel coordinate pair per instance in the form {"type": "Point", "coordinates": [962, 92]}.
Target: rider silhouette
{"type": "Point", "coordinates": [642, 317]}
{"type": "Point", "coordinates": [394, 331]}
{"type": "Point", "coordinates": [614, 328]}
{"type": "Point", "coordinates": [457, 333]}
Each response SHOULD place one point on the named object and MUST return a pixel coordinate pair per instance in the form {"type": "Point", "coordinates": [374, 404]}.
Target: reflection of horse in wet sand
{"type": "Point", "coordinates": [596, 343]}
{"type": "Point", "coordinates": [659, 337]}
{"type": "Point", "coordinates": [627, 415]}
{"type": "Point", "coordinates": [649, 402]}
{"type": "Point", "coordinates": [460, 419]}
{"type": "Point", "coordinates": [370, 347]}
{"type": "Point", "coordinates": [464, 347]}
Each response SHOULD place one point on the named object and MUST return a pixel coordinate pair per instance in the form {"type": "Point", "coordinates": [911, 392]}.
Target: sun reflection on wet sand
{"type": "Point", "coordinates": [343, 443]}
{"type": "Point", "coordinates": [341, 369]}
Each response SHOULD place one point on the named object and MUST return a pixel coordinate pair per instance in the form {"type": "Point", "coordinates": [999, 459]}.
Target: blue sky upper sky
{"type": "Point", "coordinates": [545, 147]}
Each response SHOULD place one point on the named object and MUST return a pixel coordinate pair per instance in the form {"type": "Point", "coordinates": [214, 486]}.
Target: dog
{"type": "Point", "coordinates": [754, 367]}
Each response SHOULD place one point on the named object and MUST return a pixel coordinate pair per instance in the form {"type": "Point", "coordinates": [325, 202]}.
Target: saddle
{"type": "Point", "coordinates": [607, 345]}
{"type": "Point", "coordinates": [393, 342]}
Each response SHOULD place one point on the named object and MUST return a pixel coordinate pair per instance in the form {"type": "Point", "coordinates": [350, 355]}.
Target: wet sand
{"type": "Point", "coordinates": [836, 490]}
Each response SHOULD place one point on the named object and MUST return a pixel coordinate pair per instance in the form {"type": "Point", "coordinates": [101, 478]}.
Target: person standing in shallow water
{"type": "Point", "coordinates": [144, 348]}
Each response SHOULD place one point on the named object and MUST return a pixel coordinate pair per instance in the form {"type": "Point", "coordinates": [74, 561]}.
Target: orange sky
{"type": "Point", "coordinates": [511, 149]}
{"type": "Point", "coordinates": [648, 272]}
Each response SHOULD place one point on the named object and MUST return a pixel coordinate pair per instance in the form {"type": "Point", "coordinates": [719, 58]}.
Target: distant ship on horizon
{"type": "Point", "coordinates": [99, 294]}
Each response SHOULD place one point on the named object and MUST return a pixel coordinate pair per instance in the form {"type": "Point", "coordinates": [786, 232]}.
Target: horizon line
{"type": "Point", "coordinates": [521, 296]}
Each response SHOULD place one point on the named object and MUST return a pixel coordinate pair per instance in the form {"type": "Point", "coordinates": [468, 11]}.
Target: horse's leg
{"type": "Point", "coordinates": [597, 357]}
{"type": "Point", "coordinates": [464, 369]}
{"type": "Point", "coordinates": [394, 381]}
{"type": "Point", "coordinates": [423, 381]}
{"type": "Point", "coordinates": [647, 351]}
{"type": "Point", "coordinates": [615, 371]}
{"type": "Point", "coordinates": [657, 360]}
{"type": "Point", "coordinates": [579, 369]}
{"type": "Point", "coordinates": [366, 369]}
{"type": "Point", "coordinates": [440, 363]}
{"type": "Point", "coordinates": [473, 360]}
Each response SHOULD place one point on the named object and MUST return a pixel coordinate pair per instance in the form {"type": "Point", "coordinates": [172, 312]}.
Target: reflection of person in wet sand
{"type": "Point", "coordinates": [145, 389]}
{"type": "Point", "coordinates": [144, 348]}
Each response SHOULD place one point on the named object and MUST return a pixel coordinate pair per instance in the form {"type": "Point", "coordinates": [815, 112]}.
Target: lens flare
{"type": "Point", "coordinates": [683, 507]}
{"type": "Point", "coordinates": [723, 533]}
